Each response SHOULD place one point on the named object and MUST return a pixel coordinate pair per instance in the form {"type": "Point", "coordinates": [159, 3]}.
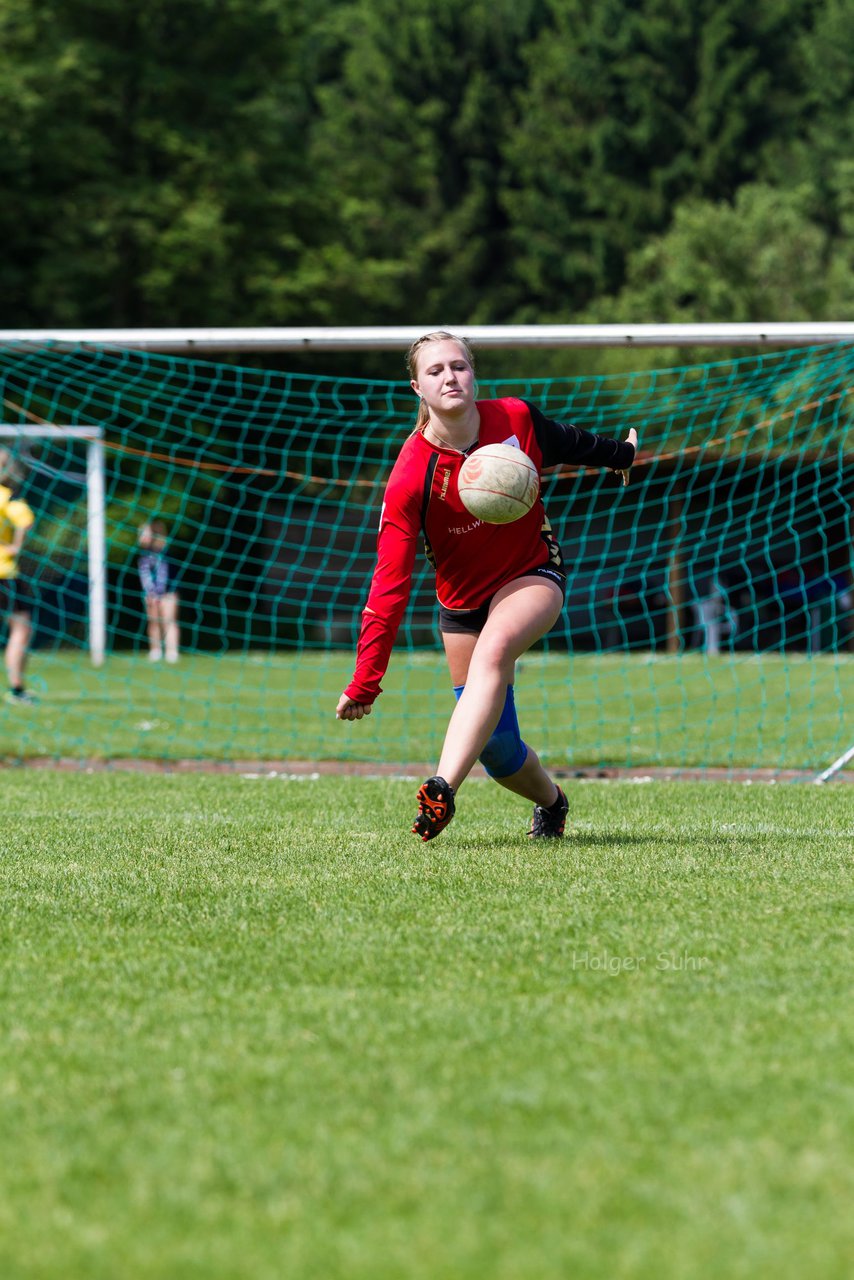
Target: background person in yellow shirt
{"type": "Point", "coordinates": [16, 597]}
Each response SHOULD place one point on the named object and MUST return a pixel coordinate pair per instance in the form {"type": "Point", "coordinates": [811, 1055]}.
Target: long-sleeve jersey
{"type": "Point", "coordinates": [472, 559]}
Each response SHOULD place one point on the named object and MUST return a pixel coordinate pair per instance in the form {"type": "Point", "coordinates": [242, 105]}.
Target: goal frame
{"type": "Point", "coordinates": [224, 341]}
{"type": "Point", "coordinates": [209, 341]}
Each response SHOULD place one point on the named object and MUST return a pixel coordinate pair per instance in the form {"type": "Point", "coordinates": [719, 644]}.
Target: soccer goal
{"type": "Point", "coordinates": [709, 616]}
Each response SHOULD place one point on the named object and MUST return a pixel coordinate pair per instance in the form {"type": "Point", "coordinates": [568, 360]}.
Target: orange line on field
{"type": "Point", "coordinates": [194, 463]}
{"type": "Point", "coordinates": [190, 462]}
{"type": "Point", "coordinates": [225, 466]}
{"type": "Point", "coordinates": [735, 435]}
{"type": "Point", "coordinates": [33, 417]}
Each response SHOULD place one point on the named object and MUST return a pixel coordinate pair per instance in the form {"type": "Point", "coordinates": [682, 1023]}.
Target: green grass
{"type": "Point", "coordinates": [773, 711]}
{"type": "Point", "coordinates": [251, 1028]}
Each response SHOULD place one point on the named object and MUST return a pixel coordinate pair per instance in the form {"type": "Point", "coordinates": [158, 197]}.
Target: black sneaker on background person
{"type": "Point", "coordinates": [435, 808]}
{"type": "Point", "coordinates": [549, 823]}
{"type": "Point", "coordinates": [20, 696]}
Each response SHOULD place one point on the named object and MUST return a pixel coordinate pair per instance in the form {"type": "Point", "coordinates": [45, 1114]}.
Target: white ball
{"type": "Point", "coordinates": [498, 483]}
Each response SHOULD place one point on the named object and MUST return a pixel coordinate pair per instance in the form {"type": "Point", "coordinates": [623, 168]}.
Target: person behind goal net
{"type": "Point", "coordinates": [157, 579]}
{"type": "Point", "coordinates": [16, 595]}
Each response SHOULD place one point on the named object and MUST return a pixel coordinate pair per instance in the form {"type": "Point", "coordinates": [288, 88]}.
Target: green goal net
{"type": "Point", "coordinates": [709, 615]}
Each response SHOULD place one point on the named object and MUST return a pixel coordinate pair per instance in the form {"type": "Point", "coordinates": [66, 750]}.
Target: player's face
{"type": "Point", "coordinates": [445, 379]}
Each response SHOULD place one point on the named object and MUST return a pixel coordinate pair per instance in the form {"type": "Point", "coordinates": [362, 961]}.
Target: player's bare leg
{"type": "Point", "coordinates": [169, 622]}
{"type": "Point", "coordinates": [531, 781]}
{"type": "Point", "coordinates": [521, 613]}
{"type": "Point", "coordinates": [155, 635]}
{"type": "Point", "coordinates": [17, 647]}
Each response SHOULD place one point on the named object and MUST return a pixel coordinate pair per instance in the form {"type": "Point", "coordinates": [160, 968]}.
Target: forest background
{"type": "Point", "coordinates": [350, 162]}
{"type": "Point", "coordinates": [397, 162]}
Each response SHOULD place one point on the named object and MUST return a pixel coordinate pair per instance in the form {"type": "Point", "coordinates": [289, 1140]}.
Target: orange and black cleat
{"type": "Point", "coordinates": [435, 808]}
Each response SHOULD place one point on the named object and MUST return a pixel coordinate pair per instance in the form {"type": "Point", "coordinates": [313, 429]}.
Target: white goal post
{"type": "Point", "coordinates": [96, 520]}
{"type": "Point", "coordinates": [389, 338]}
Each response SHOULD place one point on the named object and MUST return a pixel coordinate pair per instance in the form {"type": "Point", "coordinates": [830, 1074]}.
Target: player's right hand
{"type": "Point", "coordinates": [347, 709]}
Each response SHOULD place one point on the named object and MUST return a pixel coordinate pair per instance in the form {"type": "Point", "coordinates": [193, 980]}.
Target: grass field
{"type": "Point", "coordinates": [251, 1028]}
{"type": "Point", "coordinates": [774, 711]}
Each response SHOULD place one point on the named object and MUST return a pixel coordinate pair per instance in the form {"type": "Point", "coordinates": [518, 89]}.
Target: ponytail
{"type": "Point", "coordinates": [423, 415]}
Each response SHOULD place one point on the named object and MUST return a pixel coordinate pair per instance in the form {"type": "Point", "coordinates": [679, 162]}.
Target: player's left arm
{"type": "Point", "coordinates": [562, 442]}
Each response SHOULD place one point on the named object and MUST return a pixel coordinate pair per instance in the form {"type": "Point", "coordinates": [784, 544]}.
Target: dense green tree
{"type": "Point", "coordinates": [407, 146]}
{"type": "Point", "coordinates": [628, 109]}
{"type": "Point", "coordinates": [363, 161]}
{"type": "Point", "coordinates": [782, 248]}
{"type": "Point", "coordinates": [759, 257]}
{"type": "Point", "coordinates": [155, 153]}
{"type": "Point", "coordinates": [818, 154]}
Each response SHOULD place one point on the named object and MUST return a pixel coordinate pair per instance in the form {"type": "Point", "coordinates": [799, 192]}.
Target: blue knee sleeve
{"type": "Point", "coordinates": [505, 752]}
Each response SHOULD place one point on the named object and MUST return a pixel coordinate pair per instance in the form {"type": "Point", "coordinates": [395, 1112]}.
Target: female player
{"type": "Point", "coordinates": [500, 587]}
{"type": "Point", "coordinates": [161, 598]}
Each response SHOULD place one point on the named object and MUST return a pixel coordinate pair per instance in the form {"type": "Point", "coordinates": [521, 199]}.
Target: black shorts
{"type": "Point", "coordinates": [471, 622]}
{"type": "Point", "coordinates": [16, 596]}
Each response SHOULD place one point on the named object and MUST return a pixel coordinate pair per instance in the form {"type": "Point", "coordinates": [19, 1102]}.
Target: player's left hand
{"type": "Point", "coordinates": [631, 438]}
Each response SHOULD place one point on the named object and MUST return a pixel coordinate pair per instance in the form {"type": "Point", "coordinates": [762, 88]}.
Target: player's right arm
{"type": "Point", "coordinates": [397, 540]}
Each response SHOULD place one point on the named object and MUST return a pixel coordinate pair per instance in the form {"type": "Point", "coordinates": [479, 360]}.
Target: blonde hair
{"type": "Point", "coordinates": [439, 335]}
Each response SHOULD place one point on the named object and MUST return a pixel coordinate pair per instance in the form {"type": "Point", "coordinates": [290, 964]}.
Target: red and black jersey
{"type": "Point", "coordinates": [472, 559]}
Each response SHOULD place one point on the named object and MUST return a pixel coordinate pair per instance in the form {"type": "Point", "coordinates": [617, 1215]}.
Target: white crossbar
{"type": "Point", "coordinates": [379, 338]}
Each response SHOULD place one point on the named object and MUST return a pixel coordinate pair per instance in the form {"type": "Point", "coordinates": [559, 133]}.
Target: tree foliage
{"type": "Point", "coordinates": [761, 256]}
{"type": "Point", "coordinates": [207, 162]}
